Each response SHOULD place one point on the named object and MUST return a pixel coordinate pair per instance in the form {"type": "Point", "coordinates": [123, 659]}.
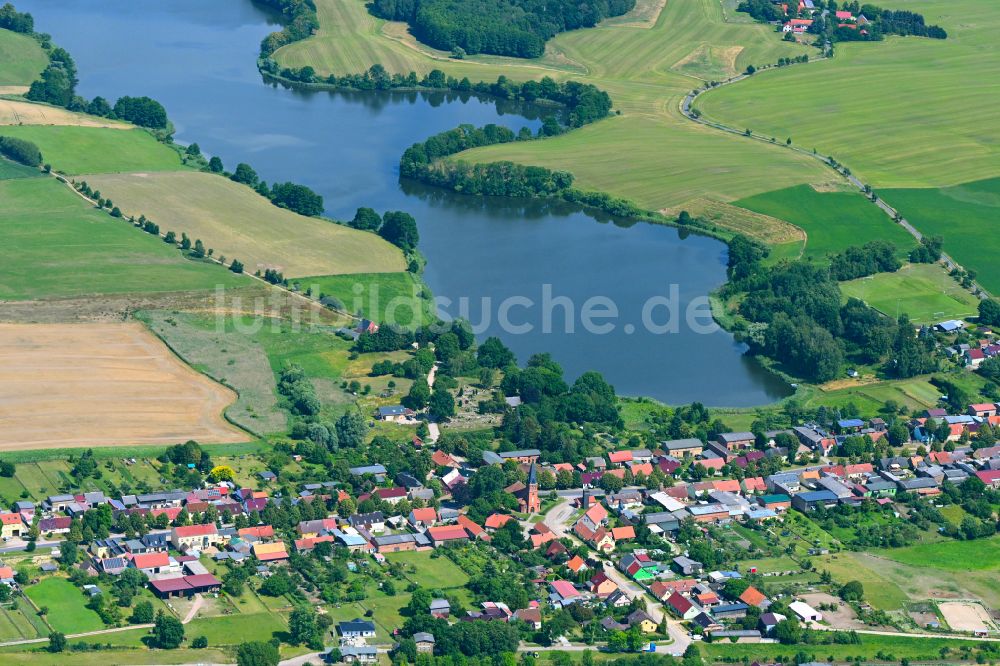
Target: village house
{"type": "Point", "coordinates": [194, 537]}
{"type": "Point", "coordinates": [683, 447]}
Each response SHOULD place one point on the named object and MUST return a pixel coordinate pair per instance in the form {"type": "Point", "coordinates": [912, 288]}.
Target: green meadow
{"type": "Point", "coordinates": [925, 292]}
{"type": "Point", "coordinates": [888, 109]}
{"type": "Point", "coordinates": [55, 244]}
{"type": "Point", "coordinates": [832, 220]}
{"type": "Point", "coordinates": [21, 59]}
{"type": "Point", "coordinates": [382, 297]}
{"type": "Point", "coordinates": [66, 604]}
{"type": "Point", "coordinates": [965, 216]}
{"type": "Point", "coordinates": [11, 170]}
{"type": "Point", "coordinates": [75, 150]}
{"type": "Point", "coordinates": [958, 556]}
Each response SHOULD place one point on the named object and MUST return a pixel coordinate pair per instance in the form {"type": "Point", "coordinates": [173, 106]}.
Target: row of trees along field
{"type": "Point", "coordinates": [517, 28]}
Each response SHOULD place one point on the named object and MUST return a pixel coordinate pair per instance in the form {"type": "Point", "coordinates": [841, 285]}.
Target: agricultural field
{"type": "Point", "coordinates": [239, 223]}
{"type": "Point", "coordinates": [925, 292]}
{"type": "Point", "coordinates": [21, 59]}
{"type": "Point", "coordinates": [75, 150]}
{"type": "Point", "coordinates": [15, 112]}
{"type": "Point", "coordinates": [901, 647]}
{"type": "Point", "coordinates": [389, 298]}
{"type": "Point", "coordinates": [79, 376]}
{"type": "Point", "coordinates": [58, 246]}
{"type": "Point", "coordinates": [964, 216]}
{"type": "Point", "coordinates": [647, 62]}
{"type": "Point", "coordinates": [770, 230]}
{"type": "Point", "coordinates": [832, 221]}
{"type": "Point", "coordinates": [899, 128]}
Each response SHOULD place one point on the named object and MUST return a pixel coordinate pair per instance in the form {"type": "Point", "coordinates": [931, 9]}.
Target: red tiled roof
{"type": "Point", "coordinates": [752, 596]}
{"type": "Point", "coordinates": [195, 530]}
{"type": "Point", "coordinates": [167, 585]}
{"type": "Point", "coordinates": [150, 560]}
{"type": "Point", "coordinates": [309, 544]}
{"type": "Point", "coordinates": [620, 456]}
{"type": "Point", "coordinates": [622, 533]}
{"type": "Point", "coordinates": [261, 531]}
{"type": "Point", "coordinates": [426, 514]}
{"type": "Point", "coordinates": [498, 520]}
{"type": "Point", "coordinates": [472, 527]}
{"type": "Point", "coordinates": [447, 533]}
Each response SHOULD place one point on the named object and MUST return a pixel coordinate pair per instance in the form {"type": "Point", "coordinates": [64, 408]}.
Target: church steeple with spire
{"type": "Point", "coordinates": [532, 503]}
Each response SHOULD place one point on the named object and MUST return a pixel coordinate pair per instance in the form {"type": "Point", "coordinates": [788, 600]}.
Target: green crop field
{"type": "Point", "coordinates": [961, 556]}
{"type": "Point", "coordinates": [964, 215]}
{"type": "Point", "coordinates": [21, 59]}
{"type": "Point", "coordinates": [923, 649]}
{"type": "Point", "coordinates": [925, 292]}
{"type": "Point", "coordinates": [57, 245]}
{"type": "Point", "coordinates": [239, 223]}
{"type": "Point", "coordinates": [75, 150]}
{"type": "Point", "coordinates": [394, 298]}
{"type": "Point", "coordinates": [886, 109]}
{"type": "Point", "coordinates": [832, 220]}
{"type": "Point", "coordinates": [66, 604]}
{"type": "Point", "coordinates": [649, 153]}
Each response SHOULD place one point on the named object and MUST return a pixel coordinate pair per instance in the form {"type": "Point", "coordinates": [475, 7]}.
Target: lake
{"type": "Point", "coordinates": [543, 276]}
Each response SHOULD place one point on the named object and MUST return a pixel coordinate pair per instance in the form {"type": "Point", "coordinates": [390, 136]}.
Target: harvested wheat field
{"type": "Point", "coordinates": [113, 384]}
{"type": "Point", "coordinates": [14, 112]}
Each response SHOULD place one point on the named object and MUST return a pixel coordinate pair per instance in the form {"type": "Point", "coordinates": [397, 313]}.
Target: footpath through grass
{"type": "Point", "coordinates": [55, 244]}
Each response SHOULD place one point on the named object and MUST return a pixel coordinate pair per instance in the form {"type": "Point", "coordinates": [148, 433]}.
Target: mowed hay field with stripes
{"type": "Point", "coordinates": [65, 385]}
{"type": "Point", "coordinates": [649, 153]}
{"type": "Point", "coordinates": [237, 222]}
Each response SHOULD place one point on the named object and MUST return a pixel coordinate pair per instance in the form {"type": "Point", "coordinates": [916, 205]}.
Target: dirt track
{"type": "Point", "coordinates": [103, 384]}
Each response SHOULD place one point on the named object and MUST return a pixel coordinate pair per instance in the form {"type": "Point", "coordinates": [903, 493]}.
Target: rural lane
{"type": "Point", "coordinates": [557, 520]}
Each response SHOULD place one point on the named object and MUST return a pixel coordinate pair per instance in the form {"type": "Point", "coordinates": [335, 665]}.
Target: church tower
{"type": "Point", "coordinates": [533, 504]}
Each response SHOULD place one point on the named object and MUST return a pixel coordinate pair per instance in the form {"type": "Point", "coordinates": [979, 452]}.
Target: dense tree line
{"type": "Point", "coordinates": [808, 329]}
{"type": "Point", "coordinates": [877, 256]}
{"type": "Point", "coordinates": [584, 103]}
{"type": "Point", "coordinates": [517, 28]}
{"type": "Point", "coordinates": [300, 21]}
{"type": "Point", "coordinates": [19, 150]}
{"type": "Point", "coordinates": [15, 21]}
{"type": "Point", "coordinates": [298, 198]}
{"type": "Point", "coordinates": [928, 251]}
{"type": "Point", "coordinates": [142, 111]}
{"type": "Point", "coordinates": [762, 10]}
{"type": "Point", "coordinates": [492, 179]}
{"type": "Point", "coordinates": [299, 391]}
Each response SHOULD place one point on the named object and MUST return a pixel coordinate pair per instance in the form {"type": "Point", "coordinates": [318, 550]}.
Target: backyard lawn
{"type": "Point", "coordinates": [66, 604]}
